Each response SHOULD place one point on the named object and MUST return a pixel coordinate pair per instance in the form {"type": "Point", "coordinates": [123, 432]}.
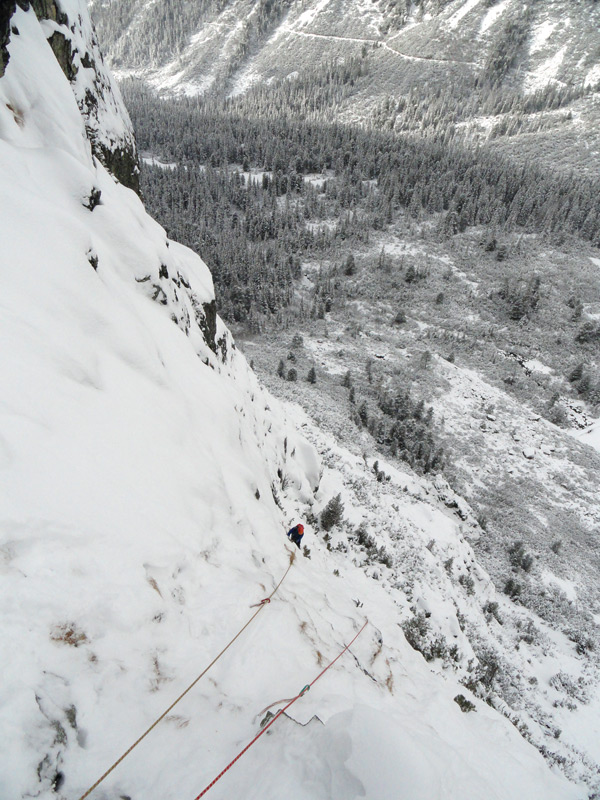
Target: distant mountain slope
{"type": "Point", "coordinates": [195, 45]}
{"type": "Point", "coordinates": [524, 78]}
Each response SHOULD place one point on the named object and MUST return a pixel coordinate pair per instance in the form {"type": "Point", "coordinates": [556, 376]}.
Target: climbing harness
{"type": "Point", "coordinates": [279, 713]}
{"type": "Point", "coordinates": [260, 605]}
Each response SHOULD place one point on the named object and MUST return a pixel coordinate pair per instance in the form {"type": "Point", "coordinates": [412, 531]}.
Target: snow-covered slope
{"type": "Point", "coordinates": [147, 480]}
{"type": "Point", "coordinates": [73, 41]}
{"type": "Point", "coordinates": [244, 42]}
{"type": "Point", "coordinates": [591, 435]}
{"type": "Point", "coordinates": [523, 78]}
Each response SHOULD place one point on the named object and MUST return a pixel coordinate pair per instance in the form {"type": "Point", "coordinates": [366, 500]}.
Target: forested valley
{"type": "Point", "coordinates": [256, 192]}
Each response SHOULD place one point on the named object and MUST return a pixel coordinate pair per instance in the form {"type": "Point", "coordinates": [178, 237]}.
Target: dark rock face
{"type": "Point", "coordinates": [75, 46]}
{"type": "Point", "coordinates": [121, 162]}
{"type": "Point", "coordinates": [61, 47]}
{"type": "Point", "coordinates": [6, 12]}
{"type": "Point", "coordinates": [44, 9]}
{"type": "Point", "coordinates": [208, 325]}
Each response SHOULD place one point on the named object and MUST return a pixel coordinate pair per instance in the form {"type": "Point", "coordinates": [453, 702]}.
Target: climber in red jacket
{"type": "Point", "coordinates": [296, 533]}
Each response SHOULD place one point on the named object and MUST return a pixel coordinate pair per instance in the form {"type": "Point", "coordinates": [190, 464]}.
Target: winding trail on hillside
{"type": "Point", "coordinates": [425, 59]}
{"type": "Point", "coordinates": [331, 36]}
{"type": "Point", "coordinates": [379, 43]}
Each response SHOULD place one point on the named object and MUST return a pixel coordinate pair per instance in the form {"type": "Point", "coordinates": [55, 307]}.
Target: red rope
{"type": "Point", "coordinates": [260, 605]}
{"type": "Point", "coordinates": [279, 713]}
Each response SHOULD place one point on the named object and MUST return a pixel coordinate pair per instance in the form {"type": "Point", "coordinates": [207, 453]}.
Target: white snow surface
{"type": "Point", "coordinates": [138, 523]}
{"type": "Point", "coordinates": [534, 365]}
{"type": "Point", "coordinates": [107, 119]}
{"type": "Point", "coordinates": [565, 586]}
{"type": "Point", "coordinates": [153, 161]}
{"type": "Point", "coordinates": [590, 435]}
{"type": "Point", "coordinates": [492, 15]}
{"type": "Point", "coordinates": [541, 35]}
{"type": "Point", "coordinates": [593, 76]}
{"type": "Point", "coordinates": [546, 72]}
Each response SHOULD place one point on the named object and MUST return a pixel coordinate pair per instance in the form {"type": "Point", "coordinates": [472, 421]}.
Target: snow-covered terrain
{"type": "Point", "coordinates": [147, 482]}
{"type": "Point", "coordinates": [591, 435]}
{"type": "Point", "coordinates": [562, 38]}
{"type": "Point", "coordinates": [544, 55]}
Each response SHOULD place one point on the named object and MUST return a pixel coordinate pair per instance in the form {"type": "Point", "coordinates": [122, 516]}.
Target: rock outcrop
{"type": "Point", "coordinates": [72, 38]}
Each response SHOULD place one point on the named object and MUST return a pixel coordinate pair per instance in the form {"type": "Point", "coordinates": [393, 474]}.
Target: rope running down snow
{"type": "Point", "coordinates": [279, 713]}
{"type": "Point", "coordinates": [261, 605]}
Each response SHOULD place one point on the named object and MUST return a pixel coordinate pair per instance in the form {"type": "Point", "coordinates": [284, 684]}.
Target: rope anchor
{"type": "Point", "coordinates": [279, 713]}
{"type": "Point", "coordinates": [262, 602]}
{"type": "Point", "coordinates": [261, 605]}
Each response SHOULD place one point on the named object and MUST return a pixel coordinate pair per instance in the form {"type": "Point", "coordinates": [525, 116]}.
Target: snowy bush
{"type": "Point", "coordinates": [332, 513]}
{"type": "Point", "coordinates": [512, 588]}
{"type": "Point", "coordinates": [464, 704]}
{"type": "Point", "coordinates": [589, 332]}
{"type": "Point", "coordinates": [519, 558]}
{"type": "Point", "coordinates": [417, 632]}
{"type": "Point", "coordinates": [488, 668]}
{"type": "Point", "coordinates": [583, 642]}
{"type": "Point", "coordinates": [491, 609]}
{"type": "Point", "coordinates": [563, 682]}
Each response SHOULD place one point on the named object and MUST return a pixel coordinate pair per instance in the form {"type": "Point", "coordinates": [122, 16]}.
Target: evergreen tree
{"type": "Point", "coordinates": [333, 513]}
{"type": "Point", "coordinates": [350, 267]}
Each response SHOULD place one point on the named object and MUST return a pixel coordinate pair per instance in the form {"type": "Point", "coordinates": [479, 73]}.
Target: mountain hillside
{"type": "Point", "coordinates": [191, 47]}
{"type": "Point", "coordinates": [147, 483]}
{"type": "Point", "coordinates": [522, 77]}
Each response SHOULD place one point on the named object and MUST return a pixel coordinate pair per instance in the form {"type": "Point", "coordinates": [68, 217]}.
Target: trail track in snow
{"type": "Point", "coordinates": [380, 43]}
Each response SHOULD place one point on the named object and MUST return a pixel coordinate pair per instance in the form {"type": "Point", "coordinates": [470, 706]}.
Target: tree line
{"type": "Point", "coordinates": [245, 195]}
